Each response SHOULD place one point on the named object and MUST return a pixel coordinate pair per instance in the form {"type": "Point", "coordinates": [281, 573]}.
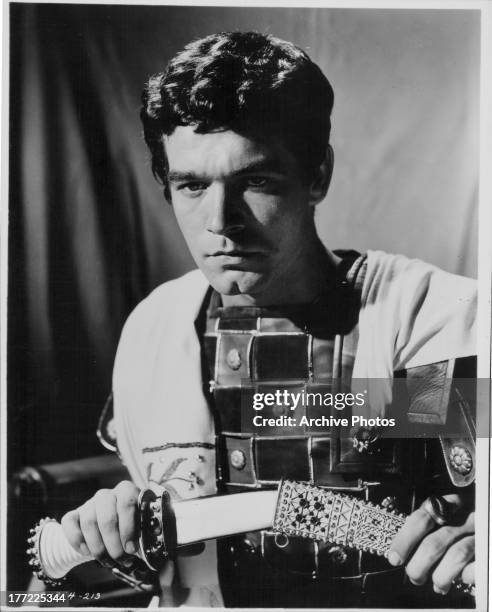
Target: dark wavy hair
{"type": "Point", "coordinates": [254, 84]}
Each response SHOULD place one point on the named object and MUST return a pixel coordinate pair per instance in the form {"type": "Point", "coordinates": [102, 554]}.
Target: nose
{"type": "Point", "coordinates": [223, 211]}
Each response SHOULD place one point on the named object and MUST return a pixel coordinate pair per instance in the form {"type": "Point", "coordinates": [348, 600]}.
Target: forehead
{"type": "Point", "coordinates": [222, 153]}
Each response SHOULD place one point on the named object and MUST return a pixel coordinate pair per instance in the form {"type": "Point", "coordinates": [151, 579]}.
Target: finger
{"type": "Point", "coordinates": [71, 527]}
{"type": "Point", "coordinates": [90, 529]}
{"type": "Point", "coordinates": [108, 522]}
{"type": "Point", "coordinates": [429, 551]}
{"type": "Point", "coordinates": [468, 574]}
{"type": "Point", "coordinates": [166, 579]}
{"type": "Point", "coordinates": [416, 527]}
{"type": "Point", "coordinates": [453, 563]}
{"type": "Point", "coordinates": [433, 547]}
{"type": "Point", "coordinates": [126, 506]}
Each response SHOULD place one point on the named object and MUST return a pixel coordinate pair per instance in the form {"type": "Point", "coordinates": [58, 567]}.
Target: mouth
{"type": "Point", "coordinates": [236, 257]}
{"type": "Point", "coordinates": [236, 254]}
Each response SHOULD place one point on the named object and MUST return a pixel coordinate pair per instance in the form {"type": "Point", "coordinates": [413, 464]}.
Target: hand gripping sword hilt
{"type": "Point", "coordinates": [51, 556]}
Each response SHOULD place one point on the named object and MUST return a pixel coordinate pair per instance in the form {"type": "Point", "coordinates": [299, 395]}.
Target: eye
{"type": "Point", "coordinates": [257, 181]}
{"type": "Point", "coordinates": [192, 189]}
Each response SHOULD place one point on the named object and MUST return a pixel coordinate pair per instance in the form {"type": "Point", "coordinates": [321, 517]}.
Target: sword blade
{"type": "Point", "coordinates": [207, 518]}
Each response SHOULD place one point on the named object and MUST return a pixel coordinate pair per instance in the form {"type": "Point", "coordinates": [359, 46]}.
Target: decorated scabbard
{"type": "Point", "coordinates": [326, 516]}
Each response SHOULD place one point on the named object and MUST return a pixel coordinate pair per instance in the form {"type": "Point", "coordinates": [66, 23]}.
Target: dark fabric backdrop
{"type": "Point", "coordinates": [90, 234]}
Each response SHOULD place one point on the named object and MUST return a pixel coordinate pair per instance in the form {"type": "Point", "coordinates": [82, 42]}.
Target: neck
{"type": "Point", "coordinates": [302, 282]}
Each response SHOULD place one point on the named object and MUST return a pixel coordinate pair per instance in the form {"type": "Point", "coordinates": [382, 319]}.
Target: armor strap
{"type": "Point", "coordinates": [323, 515]}
{"type": "Point", "coordinates": [444, 394]}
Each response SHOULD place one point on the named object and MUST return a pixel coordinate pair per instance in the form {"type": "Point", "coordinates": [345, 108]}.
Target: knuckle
{"type": "Point", "coordinates": [430, 549]}
{"type": "Point", "coordinates": [435, 543]}
{"type": "Point", "coordinates": [127, 502]}
{"type": "Point", "coordinates": [403, 535]}
{"type": "Point", "coordinates": [88, 522]}
{"type": "Point", "coordinates": [422, 516]}
{"type": "Point", "coordinates": [103, 495]}
{"type": "Point", "coordinates": [108, 522]}
{"type": "Point", "coordinates": [87, 516]}
{"type": "Point", "coordinates": [85, 509]}
{"type": "Point", "coordinates": [462, 551]}
{"type": "Point", "coordinates": [445, 533]}
{"type": "Point", "coordinates": [70, 525]}
{"type": "Point", "coordinates": [125, 485]}
{"type": "Point", "coordinates": [395, 544]}
{"type": "Point", "coordinates": [76, 541]}
{"type": "Point", "coordinates": [70, 519]}
{"type": "Point", "coordinates": [104, 502]}
{"type": "Point", "coordinates": [126, 493]}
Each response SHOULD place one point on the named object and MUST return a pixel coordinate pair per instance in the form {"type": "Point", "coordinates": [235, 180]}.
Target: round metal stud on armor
{"type": "Point", "coordinates": [337, 554]}
{"type": "Point", "coordinates": [238, 459]}
{"type": "Point", "coordinates": [279, 410]}
{"type": "Point", "coordinates": [389, 503]}
{"type": "Point", "coordinates": [233, 359]}
{"type": "Point", "coordinates": [281, 540]}
{"type": "Point", "coordinates": [366, 440]}
{"type": "Point", "coordinates": [461, 459]}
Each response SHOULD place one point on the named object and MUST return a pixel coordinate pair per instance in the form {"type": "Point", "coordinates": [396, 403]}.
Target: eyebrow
{"type": "Point", "coordinates": [267, 165]}
{"type": "Point", "coordinates": [176, 176]}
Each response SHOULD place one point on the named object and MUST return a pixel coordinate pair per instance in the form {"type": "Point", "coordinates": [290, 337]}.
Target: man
{"type": "Point", "coordinates": [238, 127]}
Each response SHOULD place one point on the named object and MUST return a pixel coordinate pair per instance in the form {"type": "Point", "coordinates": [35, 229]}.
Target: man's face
{"type": "Point", "coordinates": [244, 211]}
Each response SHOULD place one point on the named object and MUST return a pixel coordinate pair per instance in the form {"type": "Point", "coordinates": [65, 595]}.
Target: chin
{"type": "Point", "coordinates": [237, 282]}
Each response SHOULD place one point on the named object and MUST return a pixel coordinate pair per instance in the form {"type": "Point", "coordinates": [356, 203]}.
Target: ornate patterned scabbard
{"type": "Point", "coordinates": [319, 514]}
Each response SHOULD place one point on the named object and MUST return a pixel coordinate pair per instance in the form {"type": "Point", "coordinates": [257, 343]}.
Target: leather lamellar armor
{"type": "Point", "coordinates": [304, 349]}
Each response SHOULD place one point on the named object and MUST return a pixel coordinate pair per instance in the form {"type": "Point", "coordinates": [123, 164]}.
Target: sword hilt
{"type": "Point", "coordinates": [52, 557]}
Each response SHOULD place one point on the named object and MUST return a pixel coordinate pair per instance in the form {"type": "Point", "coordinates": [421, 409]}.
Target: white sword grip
{"type": "Point", "coordinates": [56, 555]}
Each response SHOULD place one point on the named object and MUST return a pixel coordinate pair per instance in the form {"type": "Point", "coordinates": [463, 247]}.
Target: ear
{"type": "Point", "coordinates": [321, 182]}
